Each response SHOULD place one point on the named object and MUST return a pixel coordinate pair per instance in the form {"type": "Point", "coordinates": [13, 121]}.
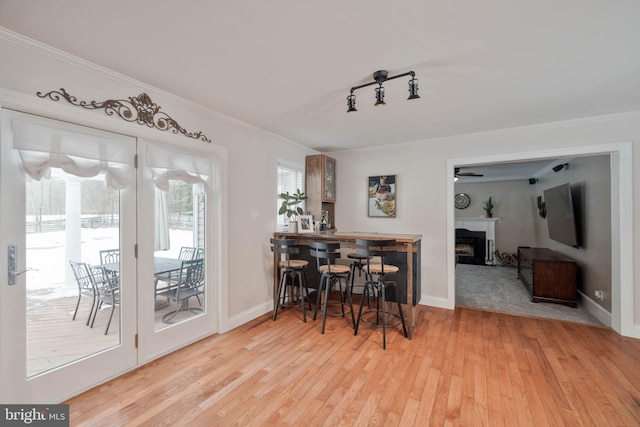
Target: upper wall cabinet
{"type": "Point", "coordinates": [329, 187]}
{"type": "Point", "coordinates": [320, 185]}
{"type": "Point", "coordinates": [321, 177]}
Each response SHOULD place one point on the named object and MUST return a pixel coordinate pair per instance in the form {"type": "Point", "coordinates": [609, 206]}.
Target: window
{"type": "Point", "coordinates": [290, 178]}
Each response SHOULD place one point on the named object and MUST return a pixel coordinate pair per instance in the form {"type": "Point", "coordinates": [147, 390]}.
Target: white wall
{"type": "Point", "coordinates": [424, 168]}
{"type": "Point", "coordinates": [249, 210]}
{"type": "Point", "coordinates": [590, 181]}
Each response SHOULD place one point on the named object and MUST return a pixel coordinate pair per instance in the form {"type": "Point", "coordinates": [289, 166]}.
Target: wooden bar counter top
{"type": "Point", "coordinates": [407, 259]}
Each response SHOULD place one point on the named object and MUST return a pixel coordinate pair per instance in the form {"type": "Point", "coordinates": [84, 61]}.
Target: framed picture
{"type": "Point", "coordinates": [305, 224]}
{"type": "Point", "coordinates": [382, 196]}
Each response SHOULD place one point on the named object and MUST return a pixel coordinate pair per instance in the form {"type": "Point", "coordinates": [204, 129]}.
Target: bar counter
{"type": "Point", "coordinates": [407, 259]}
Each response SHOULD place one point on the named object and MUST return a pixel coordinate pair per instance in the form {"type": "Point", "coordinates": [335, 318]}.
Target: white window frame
{"type": "Point", "coordinates": [282, 222]}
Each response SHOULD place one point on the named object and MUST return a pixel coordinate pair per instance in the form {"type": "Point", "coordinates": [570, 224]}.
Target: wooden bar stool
{"type": "Point", "coordinates": [292, 276]}
{"type": "Point", "coordinates": [381, 289]}
{"type": "Point", "coordinates": [332, 276]}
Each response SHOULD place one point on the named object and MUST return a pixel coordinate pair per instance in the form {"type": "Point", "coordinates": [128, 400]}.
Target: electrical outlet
{"type": "Point", "coordinates": [599, 295]}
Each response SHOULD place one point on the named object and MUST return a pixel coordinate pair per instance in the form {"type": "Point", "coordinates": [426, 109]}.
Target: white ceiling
{"type": "Point", "coordinates": [286, 66]}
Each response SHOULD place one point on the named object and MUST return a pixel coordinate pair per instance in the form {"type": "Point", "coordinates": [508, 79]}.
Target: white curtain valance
{"type": "Point", "coordinates": [166, 165]}
{"type": "Point", "coordinates": [41, 147]}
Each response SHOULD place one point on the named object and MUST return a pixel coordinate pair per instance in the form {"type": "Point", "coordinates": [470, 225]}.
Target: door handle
{"type": "Point", "coordinates": [13, 275]}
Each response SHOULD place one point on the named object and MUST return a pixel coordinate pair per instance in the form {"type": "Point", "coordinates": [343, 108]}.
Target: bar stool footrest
{"type": "Point", "coordinates": [339, 305]}
{"type": "Point", "coordinates": [372, 313]}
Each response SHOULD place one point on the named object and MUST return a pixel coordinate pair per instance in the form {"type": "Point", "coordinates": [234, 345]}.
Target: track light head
{"type": "Point", "coordinates": [380, 96]}
{"type": "Point", "coordinates": [413, 89]}
{"type": "Point", "coordinates": [351, 103]}
{"type": "Point", "coordinates": [558, 168]}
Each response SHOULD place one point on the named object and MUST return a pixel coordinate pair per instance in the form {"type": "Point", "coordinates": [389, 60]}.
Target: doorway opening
{"type": "Point", "coordinates": [621, 243]}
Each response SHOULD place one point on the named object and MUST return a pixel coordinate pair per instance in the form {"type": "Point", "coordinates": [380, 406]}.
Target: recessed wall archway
{"type": "Point", "coordinates": [622, 271]}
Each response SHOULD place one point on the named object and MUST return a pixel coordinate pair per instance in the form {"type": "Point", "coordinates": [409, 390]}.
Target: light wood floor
{"type": "Point", "coordinates": [463, 367]}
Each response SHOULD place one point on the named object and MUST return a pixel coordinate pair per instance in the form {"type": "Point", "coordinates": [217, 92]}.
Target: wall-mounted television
{"type": "Point", "coordinates": [561, 218]}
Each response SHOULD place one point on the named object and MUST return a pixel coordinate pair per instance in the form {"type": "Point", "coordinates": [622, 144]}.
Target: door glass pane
{"type": "Point", "coordinates": [70, 220]}
{"type": "Point", "coordinates": [179, 254]}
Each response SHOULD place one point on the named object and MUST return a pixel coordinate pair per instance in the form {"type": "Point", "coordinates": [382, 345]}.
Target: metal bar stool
{"type": "Point", "coordinates": [357, 264]}
{"type": "Point", "coordinates": [291, 275]}
{"type": "Point", "coordinates": [332, 277]}
{"type": "Point", "coordinates": [378, 287]}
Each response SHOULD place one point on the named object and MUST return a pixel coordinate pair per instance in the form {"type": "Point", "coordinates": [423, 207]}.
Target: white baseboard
{"type": "Point", "coordinates": [436, 302]}
{"type": "Point", "coordinates": [594, 309]}
{"type": "Point", "coordinates": [587, 303]}
{"type": "Point", "coordinates": [246, 316]}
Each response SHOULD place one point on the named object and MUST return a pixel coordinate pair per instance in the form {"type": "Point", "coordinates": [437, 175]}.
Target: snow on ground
{"type": "Point", "coordinates": [47, 261]}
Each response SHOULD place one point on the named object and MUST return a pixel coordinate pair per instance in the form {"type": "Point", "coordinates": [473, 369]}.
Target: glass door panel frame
{"type": "Point", "coordinates": [155, 343]}
{"type": "Point", "coordinates": [71, 379]}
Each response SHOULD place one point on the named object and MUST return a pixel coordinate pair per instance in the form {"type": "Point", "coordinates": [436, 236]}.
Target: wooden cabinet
{"type": "Point", "coordinates": [550, 276]}
{"type": "Point", "coordinates": [320, 186]}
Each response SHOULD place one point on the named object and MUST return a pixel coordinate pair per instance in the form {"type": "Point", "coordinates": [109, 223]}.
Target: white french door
{"type": "Point", "coordinates": [177, 190]}
{"type": "Point", "coordinates": [66, 193]}
{"type": "Point", "coordinates": [69, 197]}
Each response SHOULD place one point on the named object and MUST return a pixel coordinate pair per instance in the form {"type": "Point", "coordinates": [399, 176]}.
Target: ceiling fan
{"type": "Point", "coordinates": [457, 174]}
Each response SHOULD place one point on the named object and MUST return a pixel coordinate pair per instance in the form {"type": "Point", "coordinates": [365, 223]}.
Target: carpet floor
{"type": "Point", "coordinates": [499, 289]}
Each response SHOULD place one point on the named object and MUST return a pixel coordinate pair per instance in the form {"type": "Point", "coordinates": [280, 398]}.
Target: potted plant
{"type": "Point", "coordinates": [488, 207]}
{"type": "Point", "coordinates": [290, 207]}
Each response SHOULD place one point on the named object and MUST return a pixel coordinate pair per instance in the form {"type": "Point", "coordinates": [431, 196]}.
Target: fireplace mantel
{"type": "Point", "coordinates": [488, 225]}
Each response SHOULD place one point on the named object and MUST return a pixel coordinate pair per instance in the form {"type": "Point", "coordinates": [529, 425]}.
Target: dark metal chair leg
{"type": "Point", "coordinates": [318, 297]}
{"type": "Point", "coordinates": [384, 315]}
{"type": "Point", "coordinates": [327, 290]}
{"type": "Point", "coordinates": [281, 286]}
{"type": "Point", "coordinates": [300, 285]}
{"type": "Point", "coordinates": [348, 291]}
{"type": "Point", "coordinates": [113, 307]}
{"type": "Point", "coordinates": [364, 291]}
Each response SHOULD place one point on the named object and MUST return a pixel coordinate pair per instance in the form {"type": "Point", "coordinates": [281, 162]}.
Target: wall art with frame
{"type": "Point", "coordinates": [382, 196]}
{"type": "Point", "coordinates": [305, 224]}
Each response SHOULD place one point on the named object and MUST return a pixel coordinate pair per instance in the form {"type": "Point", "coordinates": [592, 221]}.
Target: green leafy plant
{"type": "Point", "coordinates": [488, 205]}
{"type": "Point", "coordinates": [290, 203]}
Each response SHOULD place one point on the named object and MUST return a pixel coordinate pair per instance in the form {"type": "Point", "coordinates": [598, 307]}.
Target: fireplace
{"type": "Point", "coordinates": [470, 246]}
{"type": "Point", "coordinates": [478, 246]}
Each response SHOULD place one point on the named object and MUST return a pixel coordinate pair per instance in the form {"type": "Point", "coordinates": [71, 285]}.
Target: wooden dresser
{"type": "Point", "coordinates": [550, 276]}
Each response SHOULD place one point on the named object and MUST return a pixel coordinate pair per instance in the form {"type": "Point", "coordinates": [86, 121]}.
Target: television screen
{"type": "Point", "coordinates": [561, 218]}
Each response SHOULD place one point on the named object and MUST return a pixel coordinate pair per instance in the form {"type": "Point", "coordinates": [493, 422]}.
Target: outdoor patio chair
{"type": "Point", "coordinates": [111, 256]}
{"type": "Point", "coordinates": [106, 292]}
{"type": "Point", "coordinates": [85, 286]}
{"type": "Point", "coordinates": [188, 284]}
{"type": "Point", "coordinates": [187, 253]}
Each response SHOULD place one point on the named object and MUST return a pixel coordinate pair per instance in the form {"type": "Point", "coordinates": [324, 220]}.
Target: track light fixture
{"type": "Point", "coordinates": [558, 168]}
{"type": "Point", "coordinates": [380, 96]}
{"type": "Point", "coordinates": [351, 102]}
{"type": "Point", "coordinates": [380, 77]}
